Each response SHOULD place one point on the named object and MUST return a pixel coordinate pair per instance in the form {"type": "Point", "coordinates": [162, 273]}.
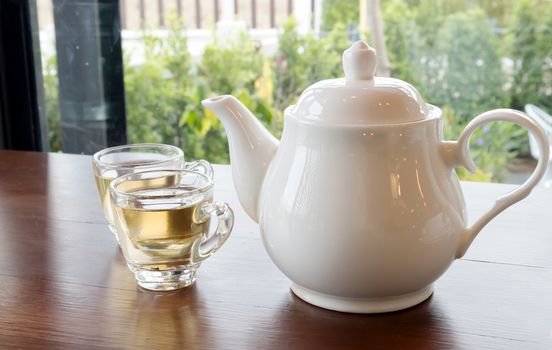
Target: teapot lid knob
{"type": "Point", "coordinates": [359, 61]}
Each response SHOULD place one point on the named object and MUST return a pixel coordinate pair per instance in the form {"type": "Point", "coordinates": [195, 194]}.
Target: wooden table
{"type": "Point", "coordinates": [64, 283]}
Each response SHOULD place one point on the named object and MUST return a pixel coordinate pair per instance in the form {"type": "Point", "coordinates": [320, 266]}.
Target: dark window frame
{"type": "Point", "coordinates": [23, 124]}
{"type": "Point", "coordinates": [23, 119]}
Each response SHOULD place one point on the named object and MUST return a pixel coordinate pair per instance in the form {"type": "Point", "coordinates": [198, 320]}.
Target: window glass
{"type": "Point", "coordinates": [464, 56]}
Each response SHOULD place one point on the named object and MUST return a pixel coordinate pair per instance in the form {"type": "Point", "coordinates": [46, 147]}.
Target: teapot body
{"type": "Point", "coordinates": [361, 213]}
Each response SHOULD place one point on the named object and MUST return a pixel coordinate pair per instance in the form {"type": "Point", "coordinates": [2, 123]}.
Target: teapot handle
{"type": "Point", "coordinates": [506, 200]}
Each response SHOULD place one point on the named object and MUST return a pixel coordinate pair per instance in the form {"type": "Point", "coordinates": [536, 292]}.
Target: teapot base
{"type": "Point", "coordinates": [359, 305]}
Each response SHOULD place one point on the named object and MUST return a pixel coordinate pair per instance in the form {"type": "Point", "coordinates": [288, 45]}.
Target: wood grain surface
{"type": "Point", "coordinates": [64, 283]}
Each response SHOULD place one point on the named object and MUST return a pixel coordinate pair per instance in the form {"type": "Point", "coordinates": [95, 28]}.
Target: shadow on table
{"type": "Point", "coordinates": [304, 326]}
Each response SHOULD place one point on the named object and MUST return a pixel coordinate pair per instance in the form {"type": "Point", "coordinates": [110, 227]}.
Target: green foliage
{"type": "Point", "coordinates": [499, 11]}
{"type": "Point", "coordinates": [304, 60]}
{"type": "Point", "coordinates": [532, 53]}
{"type": "Point", "coordinates": [339, 12]}
{"type": "Point", "coordinates": [402, 41]}
{"type": "Point", "coordinates": [447, 49]}
{"type": "Point", "coordinates": [164, 93]}
{"type": "Point", "coordinates": [52, 103]}
{"type": "Point", "coordinates": [463, 70]}
{"type": "Point", "coordinates": [491, 147]}
{"type": "Point", "coordinates": [156, 90]}
{"type": "Point", "coordinates": [228, 66]}
{"type": "Point", "coordinates": [237, 67]}
{"type": "Point", "coordinates": [202, 134]}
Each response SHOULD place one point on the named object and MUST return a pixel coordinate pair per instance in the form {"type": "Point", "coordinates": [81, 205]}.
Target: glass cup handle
{"type": "Point", "coordinates": [463, 158]}
{"type": "Point", "coordinates": [200, 166]}
{"type": "Point", "coordinates": [202, 249]}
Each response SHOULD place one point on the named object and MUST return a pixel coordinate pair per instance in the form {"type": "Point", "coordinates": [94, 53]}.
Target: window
{"type": "Point", "coordinates": [464, 56]}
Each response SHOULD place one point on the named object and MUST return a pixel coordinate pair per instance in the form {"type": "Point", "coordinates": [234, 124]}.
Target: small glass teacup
{"type": "Point", "coordinates": [163, 218]}
{"type": "Point", "coordinates": [116, 161]}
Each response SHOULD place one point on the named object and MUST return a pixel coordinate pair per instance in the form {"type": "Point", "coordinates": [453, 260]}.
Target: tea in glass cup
{"type": "Point", "coordinates": [113, 162]}
{"type": "Point", "coordinates": [163, 224]}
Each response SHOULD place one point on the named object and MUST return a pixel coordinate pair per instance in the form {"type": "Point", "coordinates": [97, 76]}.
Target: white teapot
{"type": "Point", "coordinates": [358, 203]}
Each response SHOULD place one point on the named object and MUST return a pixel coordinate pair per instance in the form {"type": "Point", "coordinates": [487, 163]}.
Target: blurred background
{"type": "Point", "coordinates": [133, 71]}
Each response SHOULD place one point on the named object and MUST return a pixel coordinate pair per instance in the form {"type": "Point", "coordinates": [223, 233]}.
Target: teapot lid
{"type": "Point", "coordinates": [360, 98]}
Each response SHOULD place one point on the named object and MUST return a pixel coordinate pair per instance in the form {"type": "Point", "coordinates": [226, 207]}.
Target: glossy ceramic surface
{"type": "Point", "coordinates": [396, 229]}
{"type": "Point", "coordinates": [360, 98]}
{"type": "Point", "coordinates": [359, 206]}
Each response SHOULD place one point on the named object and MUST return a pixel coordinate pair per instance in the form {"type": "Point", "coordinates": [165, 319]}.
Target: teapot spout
{"type": "Point", "coordinates": [251, 148]}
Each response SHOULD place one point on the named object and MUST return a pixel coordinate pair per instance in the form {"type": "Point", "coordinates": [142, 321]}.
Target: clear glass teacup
{"type": "Point", "coordinates": [163, 224]}
{"type": "Point", "coordinates": [116, 161]}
